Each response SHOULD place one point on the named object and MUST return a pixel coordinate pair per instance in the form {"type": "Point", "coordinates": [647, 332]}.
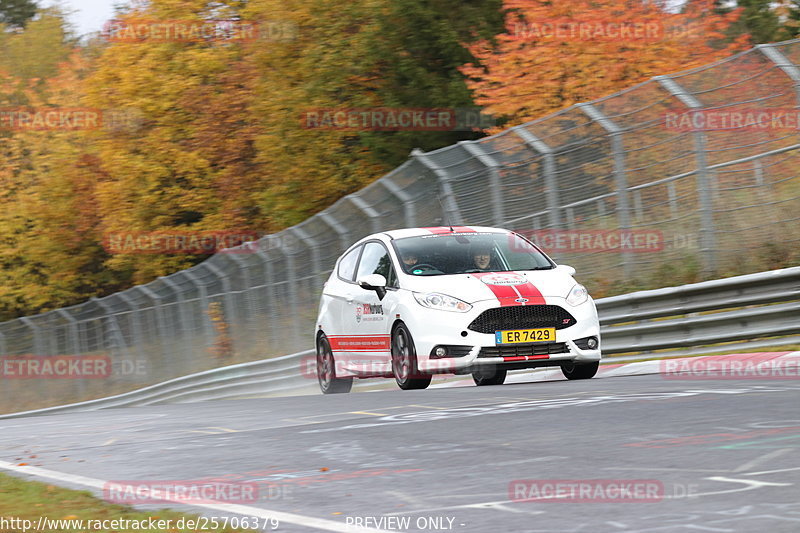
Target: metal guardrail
{"type": "Point", "coordinates": [757, 308]}
{"type": "Point", "coordinates": [760, 309]}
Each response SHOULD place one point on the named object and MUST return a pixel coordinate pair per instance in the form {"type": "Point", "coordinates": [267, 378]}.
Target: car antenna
{"type": "Point", "coordinates": [444, 214]}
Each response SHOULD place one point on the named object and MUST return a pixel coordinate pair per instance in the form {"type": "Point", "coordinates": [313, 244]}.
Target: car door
{"type": "Point", "coordinates": [372, 316]}
{"type": "Point", "coordinates": [339, 306]}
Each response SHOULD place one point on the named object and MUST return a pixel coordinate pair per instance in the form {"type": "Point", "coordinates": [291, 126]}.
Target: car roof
{"type": "Point", "coordinates": [415, 232]}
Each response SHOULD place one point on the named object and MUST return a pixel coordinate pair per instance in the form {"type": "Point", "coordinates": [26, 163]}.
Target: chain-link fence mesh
{"type": "Point", "coordinates": [718, 200]}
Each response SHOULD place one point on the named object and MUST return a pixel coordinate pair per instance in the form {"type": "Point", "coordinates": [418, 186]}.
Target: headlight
{"type": "Point", "coordinates": [443, 302]}
{"type": "Point", "coordinates": [577, 295]}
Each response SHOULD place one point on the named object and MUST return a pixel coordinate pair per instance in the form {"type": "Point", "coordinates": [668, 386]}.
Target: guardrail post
{"type": "Point", "coordinates": [453, 214]}
{"type": "Point", "coordinates": [620, 179]}
{"type": "Point", "coordinates": [708, 245]}
{"type": "Point", "coordinates": [476, 150]}
{"type": "Point", "coordinates": [551, 189]}
{"type": "Point", "coordinates": [408, 202]}
{"type": "Point", "coordinates": [783, 63]}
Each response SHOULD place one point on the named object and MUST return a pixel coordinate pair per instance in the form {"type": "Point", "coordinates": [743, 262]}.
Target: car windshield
{"type": "Point", "coordinates": [464, 253]}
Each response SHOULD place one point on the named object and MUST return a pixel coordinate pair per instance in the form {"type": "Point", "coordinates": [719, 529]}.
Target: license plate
{"type": "Point", "coordinates": [514, 336]}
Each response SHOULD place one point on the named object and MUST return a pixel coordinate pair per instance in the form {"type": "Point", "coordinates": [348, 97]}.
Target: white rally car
{"type": "Point", "coordinates": [412, 303]}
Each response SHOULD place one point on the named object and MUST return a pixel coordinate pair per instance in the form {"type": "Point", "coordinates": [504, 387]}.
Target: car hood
{"type": "Point", "coordinates": [510, 286]}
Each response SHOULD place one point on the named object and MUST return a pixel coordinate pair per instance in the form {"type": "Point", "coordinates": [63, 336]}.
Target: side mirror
{"type": "Point", "coordinates": [568, 269]}
{"type": "Point", "coordinates": [373, 282]}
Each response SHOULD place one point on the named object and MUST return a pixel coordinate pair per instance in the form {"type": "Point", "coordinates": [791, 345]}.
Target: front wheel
{"type": "Point", "coordinates": [326, 370]}
{"type": "Point", "coordinates": [584, 371]}
{"type": "Point", "coordinates": [489, 375]}
{"type": "Point", "coordinates": [404, 361]}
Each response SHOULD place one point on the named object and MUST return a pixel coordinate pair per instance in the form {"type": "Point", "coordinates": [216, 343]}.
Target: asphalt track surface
{"type": "Point", "coordinates": [723, 454]}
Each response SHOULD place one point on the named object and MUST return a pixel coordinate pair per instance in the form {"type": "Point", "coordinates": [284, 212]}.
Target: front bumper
{"type": "Point", "coordinates": [436, 328]}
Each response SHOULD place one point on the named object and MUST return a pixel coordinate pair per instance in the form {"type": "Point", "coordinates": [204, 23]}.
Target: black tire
{"type": "Point", "coordinates": [489, 375]}
{"type": "Point", "coordinates": [326, 370]}
{"type": "Point", "coordinates": [404, 361]}
{"type": "Point", "coordinates": [585, 371]}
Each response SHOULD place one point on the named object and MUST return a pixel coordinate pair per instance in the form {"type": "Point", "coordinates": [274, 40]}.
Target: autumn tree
{"type": "Point", "coordinates": [16, 13]}
{"type": "Point", "coordinates": [555, 54]}
{"type": "Point", "coordinates": [356, 54]}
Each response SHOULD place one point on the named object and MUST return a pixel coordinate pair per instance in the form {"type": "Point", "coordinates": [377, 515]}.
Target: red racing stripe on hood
{"type": "Point", "coordinates": [509, 294]}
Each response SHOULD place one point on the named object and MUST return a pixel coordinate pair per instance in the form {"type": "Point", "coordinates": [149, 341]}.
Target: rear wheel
{"type": "Point", "coordinates": [584, 371]}
{"type": "Point", "coordinates": [489, 375]}
{"type": "Point", "coordinates": [326, 370]}
{"type": "Point", "coordinates": [404, 361]}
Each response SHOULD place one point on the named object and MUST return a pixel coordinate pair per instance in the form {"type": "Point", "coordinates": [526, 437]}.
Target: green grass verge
{"type": "Point", "coordinates": [29, 500]}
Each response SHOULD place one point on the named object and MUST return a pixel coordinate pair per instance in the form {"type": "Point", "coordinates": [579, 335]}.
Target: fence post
{"type": "Point", "coordinates": [74, 340]}
{"type": "Point", "coordinates": [269, 286]}
{"type": "Point", "coordinates": [550, 185]}
{"type": "Point", "coordinates": [451, 206]}
{"type": "Point", "coordinates": [136, 325]}
{"type": "Point", "coordinates": [205, 320]}
{"type": "Point", "coordinates": [313, 247]}
{"type": "Point", "coordinates": [620, 179]}
{"type": "Point", "coordinates": [36, 334]}
{"type": "Point", "coordinates": [117, 339]}
{"type": "Point", "coordinates": [408, 202]}
{"type": "Point", "coordinates": [708, 245]}
{"type": "Point", "coordinates": [248, 283]}
{"type": "Point", "coordinates": [226, 288]}
{"type": "Point", "coordinates": [783, 63]}
{"type": "Point", "coordinates": [291, 283]}
{"type": "Point", "coordinates": [364, 207]}
{"type": "Point", "coordinates": [476, 150]}
{"type": "Point", "coordinates": [183, 319]}
{"type": "Point", "coordinates": [336, 226]}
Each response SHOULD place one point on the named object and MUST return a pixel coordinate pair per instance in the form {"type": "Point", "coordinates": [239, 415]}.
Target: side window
{"type": "Point", "coordinates": [376, 260]}
{"type": "Point", "coordinates": [347, 266]}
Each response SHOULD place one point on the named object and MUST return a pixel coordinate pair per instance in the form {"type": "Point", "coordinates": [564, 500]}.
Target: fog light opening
{"type": "Point", "coordinates": [441, 351]}
{"type": "Point", "coordinates": [591, 342]}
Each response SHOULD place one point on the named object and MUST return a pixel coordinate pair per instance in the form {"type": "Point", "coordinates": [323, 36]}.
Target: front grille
{"type": "Point", "coordinates": [522, 317]}
{"type": "Point", "coordinates": [544, 348]}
